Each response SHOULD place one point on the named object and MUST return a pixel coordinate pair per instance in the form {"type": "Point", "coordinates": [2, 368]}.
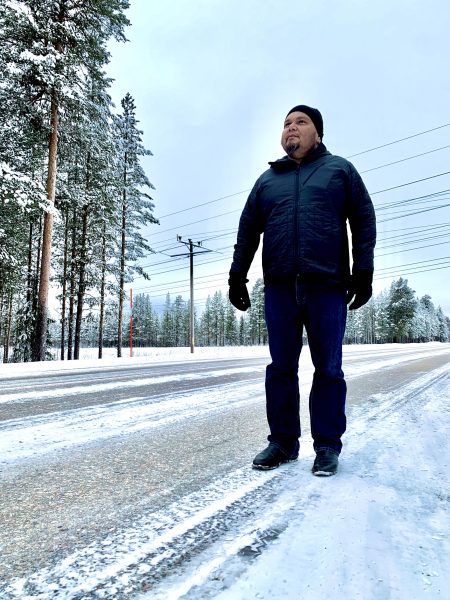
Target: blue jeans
{"type": "Point", "coordinates": [323, 312]}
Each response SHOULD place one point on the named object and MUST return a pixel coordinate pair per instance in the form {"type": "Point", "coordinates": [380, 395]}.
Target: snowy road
{"type": "Point", "coordinates": [134, 482]}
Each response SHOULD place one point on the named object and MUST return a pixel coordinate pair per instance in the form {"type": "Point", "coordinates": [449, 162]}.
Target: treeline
{"type": "Point", "coordinates": [217, 325]}
{"type": "Point", "coordinates": [73, 193]}
{"type": "Point", "coordinates": [397, 315]}
{"type": "Point", "coordinates": [394, 315]}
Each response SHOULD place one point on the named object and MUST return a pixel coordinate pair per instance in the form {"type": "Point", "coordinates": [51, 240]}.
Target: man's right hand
{"type": "Point", "coordinates": [238, 293]}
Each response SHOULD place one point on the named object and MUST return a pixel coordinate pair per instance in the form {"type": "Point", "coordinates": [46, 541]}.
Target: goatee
{"type": "Point", "coordinates": [291, 148]}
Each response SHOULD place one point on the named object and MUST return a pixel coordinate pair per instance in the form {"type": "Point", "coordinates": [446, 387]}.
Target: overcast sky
{"type": "Point", "coordinates": [213, 81]}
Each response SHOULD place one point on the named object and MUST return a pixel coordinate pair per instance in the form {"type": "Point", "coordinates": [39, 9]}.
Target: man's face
{"type": "Point", "coordinates": [299, 135]}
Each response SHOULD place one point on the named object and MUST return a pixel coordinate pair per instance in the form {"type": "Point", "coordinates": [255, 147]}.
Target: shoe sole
{"type": "Point", "coordinates": [267, 468]}
{"type": "Point", "coordinates": [324, 473]}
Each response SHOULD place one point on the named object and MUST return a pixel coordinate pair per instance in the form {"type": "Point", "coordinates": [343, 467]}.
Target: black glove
{"type": "Point", "coordinates": [360, 288]}
{"type": "Point", "coordinates": [238, 293]}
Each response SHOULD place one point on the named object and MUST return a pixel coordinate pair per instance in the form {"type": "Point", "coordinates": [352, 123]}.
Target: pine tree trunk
{"type": "Point", "coordinates": [40, 338]}
{"type": "Point", "coordinates": [1, 307]}
{"type": "Point", "coordinates": [8, 330]}
{"type": "Point", "coordinates": [64, 290]}
{"type": "Point", "coordinates": [81, 284]}
{"type": "Point", "coordinates": [28, 325]}
{"type": "Point", "coordinates": [72, 286]}
{"type": "Point", "coordinates": [102, 295]}
{"type": "Point", "coordinates": [30, 266]}
{"type": "Point", "coordinates": [122, 264]}
{"type": "Point", "coordinates": [36, 270]}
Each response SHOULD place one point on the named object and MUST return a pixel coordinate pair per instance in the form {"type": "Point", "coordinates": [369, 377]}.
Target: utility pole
{"type": "Point", "coordinates": [191, 245]}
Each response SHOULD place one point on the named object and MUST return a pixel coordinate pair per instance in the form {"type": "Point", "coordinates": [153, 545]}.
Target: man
{"type": "Point", "coordinates": [302, 205]}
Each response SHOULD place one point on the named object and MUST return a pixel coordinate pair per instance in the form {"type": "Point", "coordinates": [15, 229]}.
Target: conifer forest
{"type": "Point", "coordinates": [74, 198]}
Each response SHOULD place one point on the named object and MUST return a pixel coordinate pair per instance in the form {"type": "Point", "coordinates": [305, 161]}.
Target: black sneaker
{"type": "Point", "coordinates": [271, 458]}
{"type": "Point", "coordinates": [326, 463]}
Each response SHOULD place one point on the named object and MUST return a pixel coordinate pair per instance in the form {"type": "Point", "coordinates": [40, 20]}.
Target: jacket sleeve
{"type": "Point", "coordinates": [361, 217]}
{"type": "Point", "coordinates": [249, 233]}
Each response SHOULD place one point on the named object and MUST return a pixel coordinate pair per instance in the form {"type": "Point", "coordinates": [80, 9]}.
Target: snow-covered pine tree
{"type": "Point", "coordinates": [187, 325]}
{"type": "Point", "coordinates": [443, 329]}
{"type": "Point", "coordinates": [217, 319]}
{"type": "Point", "coordinates": [136, 205]}
{"type": "Point", "coordinates": [167, 336]}
{"type": "Point", "coordinates": [256, 320]}
{"type": "Point", "coordinates": [206, 321]}
{"type": "Point", "coordinates": [418, 327]}
{"type": "Point", "coordinates": [231, 324]}
{"type": "Point", "coordinates": [401, 308]}
{"type": "Point", "coordinates": [178, 322]}
{"type": "Point", "coordinates": [381, 332]}
{"type": "Point", "coordinates": [22, 194]}
{"type": "Point", "coordinates": [55, 47]}
{"type": "Point", "coordinates": [244, 337]}
{"type": "Point", "coordinates": [432, 324]}
{"type": "Point", "coordinates": [86, 202]}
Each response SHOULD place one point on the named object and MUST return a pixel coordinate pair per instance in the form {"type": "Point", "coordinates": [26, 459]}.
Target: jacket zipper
{"type": "Point", "coordinates": [296, 225]}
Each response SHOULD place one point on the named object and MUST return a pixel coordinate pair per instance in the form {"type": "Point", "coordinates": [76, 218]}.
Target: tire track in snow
{"type": "Point", "coordinates": [117, 564]}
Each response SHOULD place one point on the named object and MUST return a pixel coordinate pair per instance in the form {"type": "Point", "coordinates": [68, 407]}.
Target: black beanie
{"type": "Point", "coordinates": [313, 114]}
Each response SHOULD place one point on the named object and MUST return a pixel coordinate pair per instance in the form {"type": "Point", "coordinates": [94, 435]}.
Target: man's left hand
{"type": "Point", "coordinates": [360, 288]}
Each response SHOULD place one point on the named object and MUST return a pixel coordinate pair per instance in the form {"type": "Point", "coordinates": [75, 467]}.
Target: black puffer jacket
{"type": "Point", "coordinates": [302, 210]}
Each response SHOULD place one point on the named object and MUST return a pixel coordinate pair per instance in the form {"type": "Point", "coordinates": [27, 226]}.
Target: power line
{"type": "Point", "coordinates": [433, 196]}
{"type": "Point", "coordinates": [203, 234]}
{"type": "Point", "coordinates": [230, 256]}
{"type": "Point", "coordinates": [409, 137]}
{"type": "Point", "coordinates": [418, 205]}
{"type": "Point", "coordinates": [391, 218]}
{"type": "Point", "coordinates": [421, 229]}
{"type": "Point", "coordinates": [239, 209]}
{"type": "Point", "coordinates": [396, 162]}
{"type": "Point", "coordinates": [200, 221]}
{"type": "Point", "coordinates": [410, 249]}
{"type": "Point", "coordinates": [163, 286]}
{"type": "Point", "coordinates": [196, 235]}
{"type": "Point", "coordinates": [397, 244]}
{"type": "Point", "coordinates": [395, 187]}
{"type": "Point", "coordinates": [410, 209]}
{"type": "Point", "coordinates": [416, 212]}
{"type": "Point", "coordinates": [402, 273]}
{"type": "Point", "coordinates": [203, 204]}
{"type": "Point", "coordinates": [440, 258]}
{"type": "Point", "coordinates": [232, 232]}
{"type": "Point", "coordinates": [351, 156]}
{"type": "Point", "coordinates": [180, 268]}
{"type": "Point", "coordinates": [202, 301]}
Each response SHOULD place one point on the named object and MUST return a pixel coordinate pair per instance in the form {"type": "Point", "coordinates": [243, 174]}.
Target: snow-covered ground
{"type": "Point", "coordinates": [141, 356]}
{"type": "Point", "coordinates": [379, 530]}
{"type": "Point", "coordinates": [145, 356]}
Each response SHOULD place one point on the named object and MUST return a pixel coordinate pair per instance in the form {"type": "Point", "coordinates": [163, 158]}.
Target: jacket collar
{"type": "Point", "coordinates": [287, 164]}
